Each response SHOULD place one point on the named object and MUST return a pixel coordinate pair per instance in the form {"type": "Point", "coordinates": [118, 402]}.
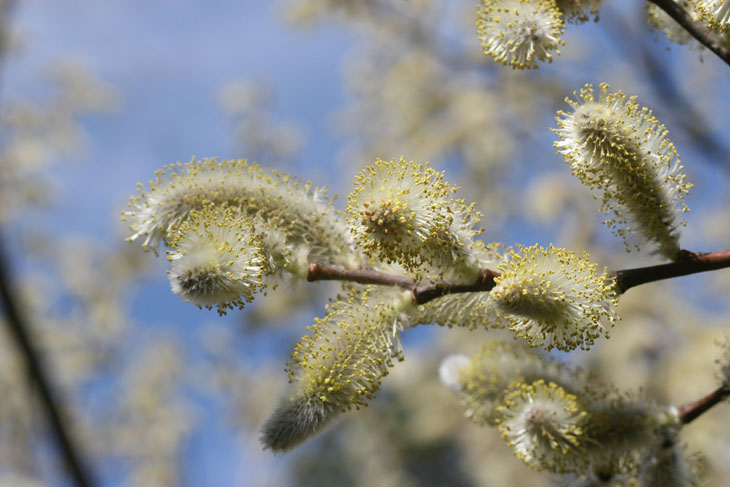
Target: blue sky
{"type": "Point", "coordinates": [167, 60]}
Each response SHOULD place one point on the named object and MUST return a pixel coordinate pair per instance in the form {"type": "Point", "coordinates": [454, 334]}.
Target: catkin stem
{"type": "Point", "coordinates": [692, 410]}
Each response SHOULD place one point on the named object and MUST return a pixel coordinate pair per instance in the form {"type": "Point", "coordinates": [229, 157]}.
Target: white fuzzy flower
{"type": "Point", "coordinates": [622, 426]}
{"type": "Point", "coordinates": [617, 147]}
{"type": "Point", "coordinates": [485, 380]}
{"type": "Point", "coordinates": [553, 298]}
{"type": "Point", "coordinates": [293, 207]}
{"type": "Point", "coordinates": [520, 32]}
{"type": "Point", "coordinates": [544, 426]}
{"type": "Point", "coordinates": [218, 259]}
{"type": "Point", "coordinates": [403, 212]}
{"type": "Point", "coordinates": [339, 365]}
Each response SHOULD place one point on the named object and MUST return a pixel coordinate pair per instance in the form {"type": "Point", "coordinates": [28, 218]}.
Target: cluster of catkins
{"type": "Point", "coordinates": [560, 420]}
{"type": "Point", "coordinates": [522, 33]}
{"type": "Point", "coordinates": [232, 227]}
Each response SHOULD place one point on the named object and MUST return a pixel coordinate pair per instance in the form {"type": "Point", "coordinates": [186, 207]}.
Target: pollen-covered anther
{"type": "Point", "coordinates": [385, 217]}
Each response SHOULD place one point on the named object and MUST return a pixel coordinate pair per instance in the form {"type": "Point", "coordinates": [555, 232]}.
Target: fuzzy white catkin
{"type": "Point", "coordinates": [618, 148]}
{"type": "Point", "coordinates": [484, 381]}
{"type": "Point", "coordinates": [403, 212]}
{"type": "Point", "coordinates": [295, 208]}
{"type": "Point", "coordinates": [716, 13]}
{"type": "Point", "coordinates": [658, 19]}
{"type": "Point", "coordinates": [217, 259]}
{"type": "Point", "coordinates": [553, 298]}
{"type": "Point", "coordinates": [544, 425]}
{"type": "Point", "coordinates": [339, 365]}
{"type": "Point", "coordinates": [579, 11]}
{"type": "Point", "coordinates": [519, 33]}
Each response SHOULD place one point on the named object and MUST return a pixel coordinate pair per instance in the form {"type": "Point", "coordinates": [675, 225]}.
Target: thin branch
{"type": "Point", "coordinates": [421, 294]}
{"type": "Point", "coordinates": [363, 275]}
{"type": "Point", "coordinates": [18, 328]}
{"type": "Point", "coordinates": [688, 263]}
{"type": "Point", "coordinates": [426, 293]}
{"type": "Point", "coordinates": [690, 411]}
{"type": "Point", "coordinates": [695, 29]}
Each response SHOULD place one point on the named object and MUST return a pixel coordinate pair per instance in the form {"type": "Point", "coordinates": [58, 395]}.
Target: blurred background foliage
{"type": "Point", "coordinates": [160, 393]}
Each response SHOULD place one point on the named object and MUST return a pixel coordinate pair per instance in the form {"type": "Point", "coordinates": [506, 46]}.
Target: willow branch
{"type": "Point", "coordinates": [687, 263]}
{"type": "Point", "coordinates": [695, 29]}
{"type": "Point", "coordinates": [18, 329]}
{"type": "Point", "coordinates": [421, 293]}
{"type": "Point", "coordinates": [692, 410]}
{"type": "Point", "coordinates": [362, 275]}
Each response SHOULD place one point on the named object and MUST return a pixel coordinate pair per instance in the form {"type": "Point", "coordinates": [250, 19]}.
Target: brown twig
{"type": "Point", "coordinates": [428, 292]}
{"type": "Point", "coordinates": [692, 410]}
{"type": "Point", "coordinates": [695, 29]}
{"type": "Point", "coordinates": [39, 377]}
{"type": "Point", "coordinates": [421, 293]}
{"type": "Point", "coordinates": [688, 263]}
{"type": "Point", "coordinates": [363, 275]}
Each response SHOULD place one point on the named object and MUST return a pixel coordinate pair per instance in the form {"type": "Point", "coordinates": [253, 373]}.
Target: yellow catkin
{"type": "Point", "coordinates": [519, 33]}
{"type": "Point", "coordinates": [544, 425]}
{"type": "Point", "coordinates": [217, 259]}
{"type": "Point", "coordinates": [554, 298]}
{"type": "Point", "coordinates": [339, 365]}
{"type": "Point", "coordinates": [295, 208]}
{"type": "Point", "coordinates": [403, 212]}
{"type": "Point", "coordinates": [618, 148]}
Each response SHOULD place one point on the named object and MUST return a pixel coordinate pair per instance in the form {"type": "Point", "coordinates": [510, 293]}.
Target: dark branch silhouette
{"type": "Point", "coordinates": [18, 328]}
